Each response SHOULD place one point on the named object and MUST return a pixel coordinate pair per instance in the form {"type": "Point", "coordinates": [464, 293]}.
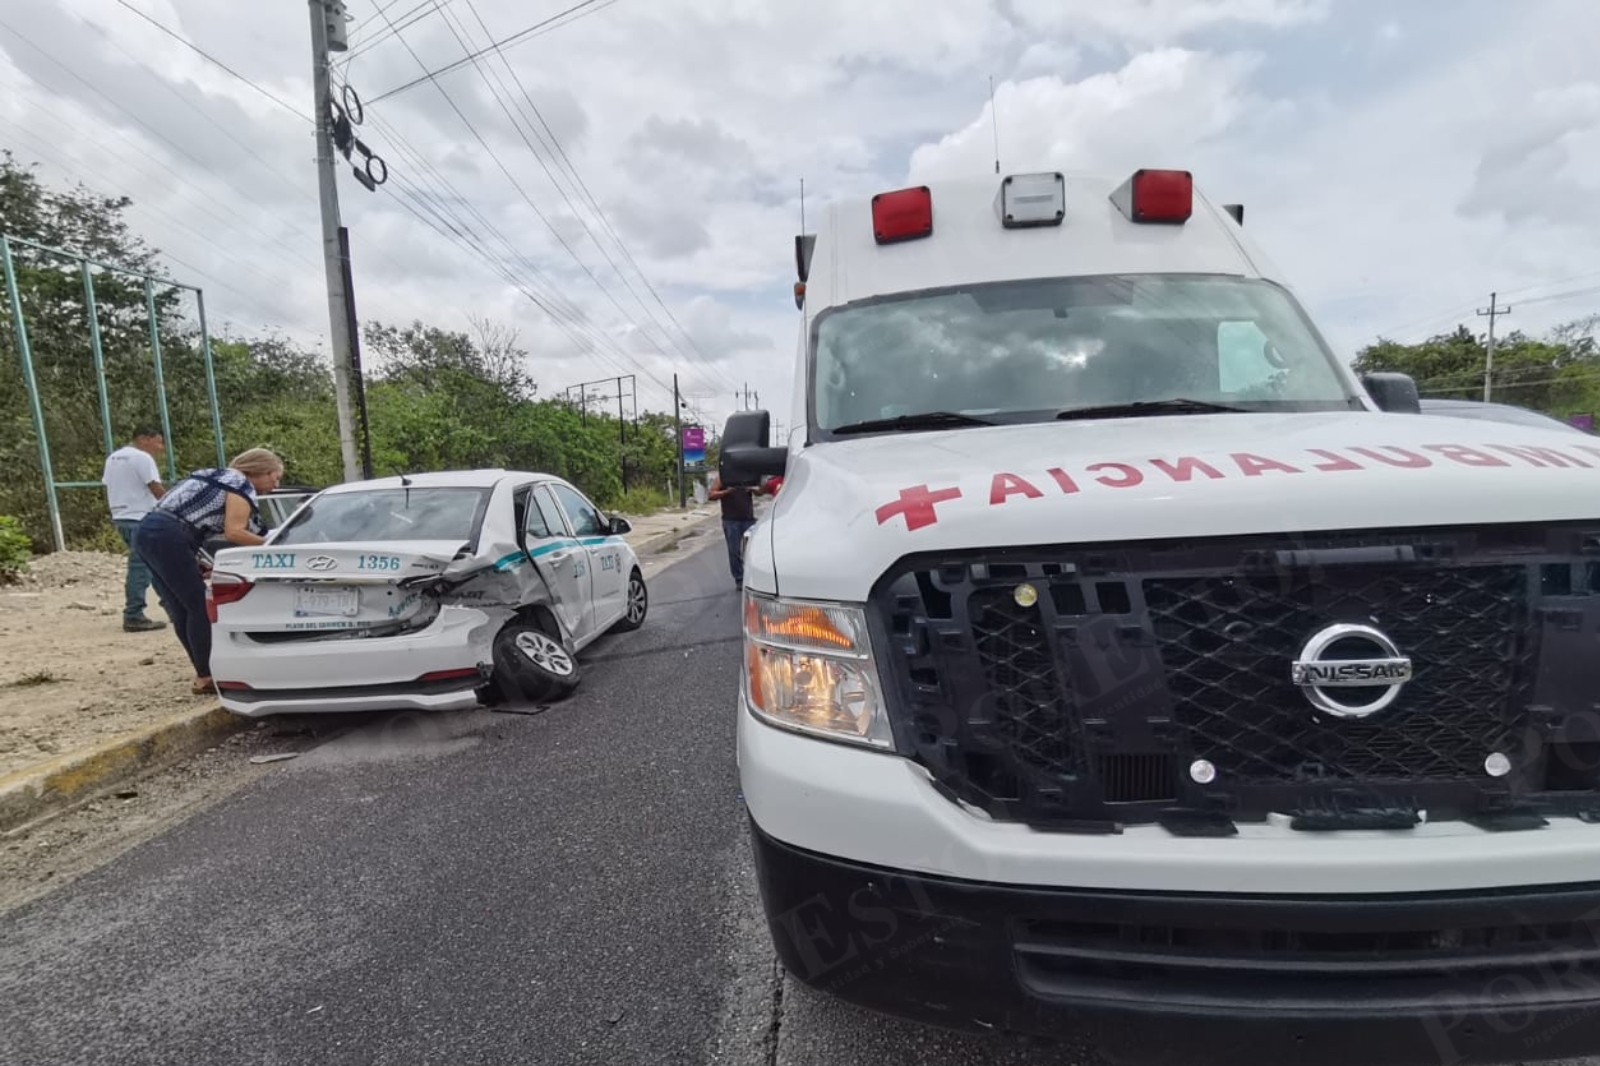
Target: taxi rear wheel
{"type": "Point", "coordinates": [531, 665]}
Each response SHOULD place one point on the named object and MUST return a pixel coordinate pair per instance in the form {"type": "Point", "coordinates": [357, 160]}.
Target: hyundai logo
{"type": "Point", "coordinates": [1376, 663]}
{"type": "Point", "coordinates": [322, 562]}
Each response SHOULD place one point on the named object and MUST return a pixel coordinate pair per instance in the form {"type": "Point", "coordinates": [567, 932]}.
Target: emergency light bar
{"type": "Point", "coordinates": [1156, 196]}
{"type": "Point", "coordinates": [902, 215]}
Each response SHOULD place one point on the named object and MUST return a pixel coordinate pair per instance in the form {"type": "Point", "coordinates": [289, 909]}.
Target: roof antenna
{"type": "Point", "coordinates": [995, 118]}
{"type": "Point", "coordinates": [802, 206]}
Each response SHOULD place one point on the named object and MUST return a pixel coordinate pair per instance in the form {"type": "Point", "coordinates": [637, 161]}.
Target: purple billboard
{"type": "Point", "coordinates": [694, 445]}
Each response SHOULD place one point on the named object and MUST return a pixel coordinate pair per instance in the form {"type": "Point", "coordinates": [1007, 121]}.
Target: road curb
{"type": "Point", "coordinates": [662, 542]}
{"type": "Point", "coordinates": [48, 788]}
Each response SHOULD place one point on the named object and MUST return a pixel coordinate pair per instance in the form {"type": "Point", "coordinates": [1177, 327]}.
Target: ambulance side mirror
{"type": "Point", "coordinates": [747, 456]}
{"type": "Point", "coordinates": [1395, 393]}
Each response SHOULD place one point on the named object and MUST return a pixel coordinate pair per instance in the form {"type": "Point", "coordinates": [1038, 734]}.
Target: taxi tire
{"type": "Point", "coordinates": [626, 624]}
{"type": "Point", "coordinates": [527, 665]}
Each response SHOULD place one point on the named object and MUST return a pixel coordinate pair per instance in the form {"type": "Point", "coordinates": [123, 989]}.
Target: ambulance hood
{"type": "Point", "coordinates": [850, 509]}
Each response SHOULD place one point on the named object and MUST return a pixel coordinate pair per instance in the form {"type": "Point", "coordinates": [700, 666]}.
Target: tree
{"type": "Point", "coordinates": [50, 289]}
{"type": "Point", "coordinates": [1558, 374]}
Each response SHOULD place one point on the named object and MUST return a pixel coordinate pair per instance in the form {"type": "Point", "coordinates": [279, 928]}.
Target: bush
{"type": "Point", "coordinates": [643, 501]}
{"type": "Point", "coordinates": [16, 550]}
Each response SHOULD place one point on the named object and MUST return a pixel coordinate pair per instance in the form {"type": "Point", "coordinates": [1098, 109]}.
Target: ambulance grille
{"type": "Point", "coordinates": [1098, 686]}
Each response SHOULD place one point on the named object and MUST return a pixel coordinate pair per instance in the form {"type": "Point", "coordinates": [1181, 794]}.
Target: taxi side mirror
{"type": "Point", "coordinates": [747, 455]}
{"type": "Point", "coordinates": [1394, 393]}
{"type": "Point", "coordinates": [620, 527]}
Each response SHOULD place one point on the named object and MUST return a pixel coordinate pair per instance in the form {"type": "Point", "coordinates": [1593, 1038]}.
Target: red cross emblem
{"type": "Point", "coordinates": [917, 504]}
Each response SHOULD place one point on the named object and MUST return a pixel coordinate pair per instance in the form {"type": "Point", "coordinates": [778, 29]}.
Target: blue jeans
{"type": "Point", "coordinates": [137, 585]}
{"type": "Point", "coordinates": [734, 532]}
{"type": "Point", "coordinates": [169, 547]}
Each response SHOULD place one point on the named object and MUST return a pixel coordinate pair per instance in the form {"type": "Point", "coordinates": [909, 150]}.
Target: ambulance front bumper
{"type": "Point", "coordinates": [1445, 944]}
{"type": "Point", "coordinates": [1207, 986]}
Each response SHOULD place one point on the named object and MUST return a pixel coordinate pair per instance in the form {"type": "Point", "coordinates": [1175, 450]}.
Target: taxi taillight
{"type": "Point", "coordinates": [225, 588]}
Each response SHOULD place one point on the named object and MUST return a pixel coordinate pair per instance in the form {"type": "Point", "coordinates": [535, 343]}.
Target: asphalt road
{"type": "Point", "coordinates": [571, 887]}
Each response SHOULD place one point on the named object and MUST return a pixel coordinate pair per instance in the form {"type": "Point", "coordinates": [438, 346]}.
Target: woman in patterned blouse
{"type": "Point", "coordinates": [208, 503]}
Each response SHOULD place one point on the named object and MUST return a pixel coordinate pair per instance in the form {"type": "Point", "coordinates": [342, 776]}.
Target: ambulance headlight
{"type": "Point", "coordinates": [808, 667]}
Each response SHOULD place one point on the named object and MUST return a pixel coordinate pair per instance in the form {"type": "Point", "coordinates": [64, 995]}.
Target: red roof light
{"type": "Point", "coordinates": [1156, 196]}
{"type": "Point", "coordinates": [904, 215]}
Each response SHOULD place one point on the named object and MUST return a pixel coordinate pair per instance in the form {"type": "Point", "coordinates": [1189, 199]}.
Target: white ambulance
{"type": "Point", "coordinates": [1120, 668]}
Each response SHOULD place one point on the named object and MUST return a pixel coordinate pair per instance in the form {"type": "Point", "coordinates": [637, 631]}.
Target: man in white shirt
{"type": "Point", "coordinates": [133, 485]}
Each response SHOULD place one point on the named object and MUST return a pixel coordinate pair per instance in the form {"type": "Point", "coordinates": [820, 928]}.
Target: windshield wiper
{"type": "Point", "coordinates": [1176, 406]}
{"type": "Point", "coordinates": [925, 420]}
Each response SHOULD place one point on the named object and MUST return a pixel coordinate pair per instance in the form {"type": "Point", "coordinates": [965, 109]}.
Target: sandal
{"type": "Point", "coordinates": [204, 688]}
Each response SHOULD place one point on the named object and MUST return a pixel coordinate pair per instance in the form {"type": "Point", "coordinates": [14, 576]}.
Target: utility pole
{"type": "Point", "coordinates": [328, 34]}
{"type": "Point", "coordinates": [1493, 312]}
{"type": "Point", "coordinates": [355, 353]}
{"type": "Point", "coordinates": [622, 437]}
{"type": "Point", "coordinates": [677, 431]}
{"type": "Point", "coordinates": [622, 418]}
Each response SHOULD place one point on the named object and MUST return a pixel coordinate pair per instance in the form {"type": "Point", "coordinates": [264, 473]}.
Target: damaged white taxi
{"type": "Point", "coordinates": [436, 591]}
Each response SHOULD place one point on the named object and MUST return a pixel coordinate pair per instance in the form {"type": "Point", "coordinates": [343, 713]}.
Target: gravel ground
{"type": "Point", "coordinates": [69, 676]}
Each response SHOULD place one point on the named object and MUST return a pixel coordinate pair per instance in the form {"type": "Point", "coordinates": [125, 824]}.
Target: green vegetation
{"type": "Point", "coordinates": [436, 399]}
{"type": "Point", "coordinates": [15, 550]}
{"type": "Point", "coordinates": [1558, 374]}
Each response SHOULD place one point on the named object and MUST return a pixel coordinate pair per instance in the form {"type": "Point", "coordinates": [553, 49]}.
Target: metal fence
{"type": "Point", "coordinates": [87, 267]}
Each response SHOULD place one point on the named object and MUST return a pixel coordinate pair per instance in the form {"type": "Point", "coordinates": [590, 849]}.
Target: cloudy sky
{"type": "Point", "coordinates": [621, 185]}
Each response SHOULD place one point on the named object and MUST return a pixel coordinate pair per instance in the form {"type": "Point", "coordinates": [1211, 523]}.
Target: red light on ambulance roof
{"type": "Point", "coordinates": [903, 215]}
{"type": "Point", "coordinates": [1156, 196]}
{"type": "Point", "coordinates": [1163, 195]}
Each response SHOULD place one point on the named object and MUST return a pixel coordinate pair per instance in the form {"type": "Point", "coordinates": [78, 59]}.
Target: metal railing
{"type": "Point", "coordinates": [30, 382]}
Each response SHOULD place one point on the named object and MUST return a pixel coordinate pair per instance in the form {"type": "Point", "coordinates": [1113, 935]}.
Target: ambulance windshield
{"type": "Point", "coordinates": [1027, 350]}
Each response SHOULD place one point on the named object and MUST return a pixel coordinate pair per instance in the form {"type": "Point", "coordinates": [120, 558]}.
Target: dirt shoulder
{"type": "Point", "coordinates": [70, 678]}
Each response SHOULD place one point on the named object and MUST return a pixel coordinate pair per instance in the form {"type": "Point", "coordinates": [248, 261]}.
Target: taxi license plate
{"type": "Point", "coordinates": [327, 603]}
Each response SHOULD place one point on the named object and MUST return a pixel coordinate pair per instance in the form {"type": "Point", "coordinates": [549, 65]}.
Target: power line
{"type": "Point", "coordinates": [382, 9]}
{"type": "Point", "coordinates": [574, 313]}
{"type": "Point", "coordinates": [565, 314]}
{"type": "Point", "coordinates": [1464, 308]}
{"type": "Point", "coordinates": [458, 230]}
{"type": "Point", "coordinates": [521, 191]}
{"type": "Point", "coordinates": [177, 223]}
{"type": "Point", "coordinates": [588, 196]}
{"type": "Point", "coordinates": [190, 104]}
{"type": "Point", "coordinates": [451, 225]}
{"type": "Point", "coordinates": [212, 59]}
{"type": "Point", "coordinates": [411, 17]}
{"type": "Point", "coordinates": [167, 171]}
{"type": "Point", "coordinates": [515, 38]}
{"type": "Point", "coordinates": [577, 213]}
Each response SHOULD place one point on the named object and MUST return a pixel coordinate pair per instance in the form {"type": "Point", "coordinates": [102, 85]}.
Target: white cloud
{"type": "Point", "coordinates": [1153, 112]}
{"type": "Point", "coordinates": [1147, 22]}
{"type": "Point", "coordinates": [1471, 168]}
